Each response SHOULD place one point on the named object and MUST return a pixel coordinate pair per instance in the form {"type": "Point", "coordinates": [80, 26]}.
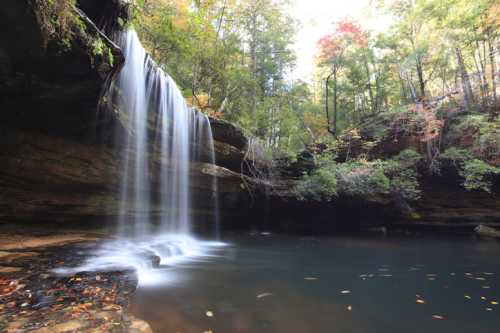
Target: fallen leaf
{"type": "Point", "coordinates": [438, 317]}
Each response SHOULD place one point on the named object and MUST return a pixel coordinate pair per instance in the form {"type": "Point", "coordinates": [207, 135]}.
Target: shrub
{"type": "Point", "coordinates": [477, 175]}
{"type": "Point", "coordinates": [363, 178]}
{"type": "Point", "coordinates": [320, 185]}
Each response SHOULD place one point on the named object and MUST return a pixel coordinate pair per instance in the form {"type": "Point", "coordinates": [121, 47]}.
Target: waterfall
{"type": "Point", "coordinates": [158, 113]}
{"type": "Point", "coordinates": [165, 137]}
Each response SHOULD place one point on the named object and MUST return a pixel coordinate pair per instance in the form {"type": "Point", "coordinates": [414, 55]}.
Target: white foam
{"type": "Point", "coordinates": [172, 250]}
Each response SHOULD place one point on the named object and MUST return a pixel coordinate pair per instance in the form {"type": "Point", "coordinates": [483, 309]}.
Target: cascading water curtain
{"type": "Point", "coordinates": [154, 104]}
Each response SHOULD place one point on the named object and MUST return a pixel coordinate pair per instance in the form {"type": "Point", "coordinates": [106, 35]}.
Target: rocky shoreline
{"type": "Point", "coordinates": [35, 299]}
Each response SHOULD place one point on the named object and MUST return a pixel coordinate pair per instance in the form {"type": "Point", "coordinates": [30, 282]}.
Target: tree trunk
{"type": "Point", "coordinates": [335, 102]}
{"type": "Point", "coordinates": [404, 93]}
{"type": "Point", "coordinates": [420, 73]}
{"type": "Point", "coordinates": [253, 57]}
{"type": "Point", "coordinates": [493, 112]}
{"type": "Point", "coordinates": [482, 63]}
{"type": "Point", "coordinates": [373, 105]}
{"type": "Point", "coordinates": [466, 87]}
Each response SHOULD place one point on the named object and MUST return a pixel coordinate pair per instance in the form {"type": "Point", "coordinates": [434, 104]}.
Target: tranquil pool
{"type": "Point", "coordinates": [292, 284]}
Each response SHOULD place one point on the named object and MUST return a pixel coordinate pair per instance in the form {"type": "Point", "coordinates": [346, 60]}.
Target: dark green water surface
{"type": "Point", "coordinates": [342, 284]}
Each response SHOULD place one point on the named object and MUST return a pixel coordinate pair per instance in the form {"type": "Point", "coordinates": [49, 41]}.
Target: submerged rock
{"type": "Point", "coordinates": [485, 231]}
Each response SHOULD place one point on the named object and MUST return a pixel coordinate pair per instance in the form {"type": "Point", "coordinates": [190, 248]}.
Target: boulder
{"type": "Point", "coordinates": [228, 133]}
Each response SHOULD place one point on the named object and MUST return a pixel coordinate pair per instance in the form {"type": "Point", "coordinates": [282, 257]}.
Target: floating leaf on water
{"type": "Point", "coordinates": [386, 275]}
{"type": "Point", "coordinates": [486, 287]}
{"type": "Point", "coordinates": [488, 273]}
{"type": "Point", "coordinates": [349, 308]}
{"type": "Point", "coordinates": [263, 295]}
{"type": "Point", "coordinates": [452, 274]}
{"type": "Point", "coordinates": [489, 309]}
{"type": "Point", "coordinates": [420, 301]}
{"type": "Point", "coordinates": [345, 292]}
{"type": "Point", "coordinates": [483, 298]}
{"type": "Point", "coordinates": [438, 317]}
{"type": "Point", "coordinates": [383, 269]}
{"type": "Point", "coordinates": [494, 302]}
{"type": "Point", "coordinates": [310, 278]}
{"type": "Point", "coordinates": [480, 278]}
{"type": "Point", "coordinates": [467, 296]}
{"type": "Point", "coordinates": [431, 275]}
{"type": "Point", "coordinates": [468, 274]}
{"type": "Point", "coordinates": [209, 314]}
{"type": "Point", "coordinates": [431, 279]}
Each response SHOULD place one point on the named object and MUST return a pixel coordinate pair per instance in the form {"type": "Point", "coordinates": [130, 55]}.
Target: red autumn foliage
{"type": "Point", "coordinates": [347, 32]}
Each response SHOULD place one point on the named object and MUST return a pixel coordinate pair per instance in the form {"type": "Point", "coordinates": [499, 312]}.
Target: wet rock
{"type": "Point", "coordinates": [139, 326]}
{"type": "Point", "coordinates": [44, 302]}
{"type": "Point", "coordinates": [486, 231]}
{"type": "Point", "coordinates": [228, 133]}
{"type": "Point", "coordinates": [69, 326]}
{"type": "Point", "coordinates": [155, 261]}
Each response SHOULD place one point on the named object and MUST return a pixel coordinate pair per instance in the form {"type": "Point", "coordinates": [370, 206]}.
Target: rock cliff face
{"type": "Point", "coordinates": [58, 152]}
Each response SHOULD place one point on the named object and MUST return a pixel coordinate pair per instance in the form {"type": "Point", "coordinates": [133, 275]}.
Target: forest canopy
{"type": "Point", "coordinates": [234, 59]}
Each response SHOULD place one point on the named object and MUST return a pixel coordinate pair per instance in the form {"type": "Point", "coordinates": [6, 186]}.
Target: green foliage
{"type": "Point", "coordinates": [58, 20]}
{"type": "Point", "coordinates": [320, 185]}
{"type": "Point", "coordinates": [362, 178]}
{"type": "Point", "coordinates": [60, 23]}
{"type": "Point", "coordinates": [484, 135]}
{"type": "Point", "coordinates": [205, 46]}
{"type": "Point", "coordinates": [98, 47]}
{"type": "Point", "coordinates": [456, 155]}
{"type": "Point", "coordinates": [402, 171]}
{"type": "Point", "coordinates": [477, 175]}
